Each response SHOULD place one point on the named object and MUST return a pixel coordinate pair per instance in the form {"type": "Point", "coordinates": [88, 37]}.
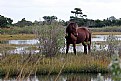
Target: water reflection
{"type": "Point", "coordinates": [104, 37]}
{"type": "Point", "coordinates": [33, 41]}
{"type": "Point", "coordinates": [23, 50]}
{"type": "Point", "coordinates": [69, 77]}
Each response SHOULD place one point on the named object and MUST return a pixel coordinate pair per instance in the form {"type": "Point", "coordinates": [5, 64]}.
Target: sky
{"type": "Point", "coordinates": [33, 10]}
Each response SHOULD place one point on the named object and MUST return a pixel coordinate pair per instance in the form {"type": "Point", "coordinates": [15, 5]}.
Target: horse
{"type": "Point", "coordinates": [76, 35]}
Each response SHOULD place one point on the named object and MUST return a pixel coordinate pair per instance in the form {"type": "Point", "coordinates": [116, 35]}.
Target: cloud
{"type": "Point", "coordinates": [102, 1]}
{"type": "Point", "coordinates": [36, 9]}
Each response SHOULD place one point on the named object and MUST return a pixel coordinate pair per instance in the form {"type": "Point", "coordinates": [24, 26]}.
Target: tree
{"type": "Point", "coordinates": [78, 13]}
{"type": "Point", "coordinates": [112, 18]}
{"type": "Point", "coordinates": [49, 19]}
{"type": "Point", "coordinates": [5, 22]}
{"type": "Point", "coordinates": [79, 16]}
{"type": "Point", "coordinates": [9, 20]}
{"type": "Point", "coordinates": [99, 23]}
{"type": "Point", "coordinates": [119, 22]}
{"type": "Point", "coordinates": [23, 23]}
{"type": "Point", "coordinates": [37, 22]}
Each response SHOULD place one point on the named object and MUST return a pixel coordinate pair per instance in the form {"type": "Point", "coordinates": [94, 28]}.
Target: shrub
{"type": "Point", "coordinates": [51, 38]}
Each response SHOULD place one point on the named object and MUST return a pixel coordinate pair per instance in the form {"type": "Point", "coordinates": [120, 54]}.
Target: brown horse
{"type": "Point", "coordinates": [76, 35]}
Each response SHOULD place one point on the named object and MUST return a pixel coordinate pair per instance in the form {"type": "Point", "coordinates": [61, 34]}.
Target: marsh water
{"type": "Point", "coordinates": [64, 77]}
{"type": "Point", "coordinates": [23, 49]}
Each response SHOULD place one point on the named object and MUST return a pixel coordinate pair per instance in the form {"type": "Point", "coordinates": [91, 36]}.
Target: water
{"type": "Point", "coordinates": [103, 37]}
{"type": "Point", "coordinates": [23, 49]}
{"type": "Point", "coordinates": [33, 41]}
{"type": "Point", "coordinates": [66, 77]}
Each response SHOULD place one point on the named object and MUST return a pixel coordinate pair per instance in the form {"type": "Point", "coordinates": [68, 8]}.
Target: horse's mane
{"type": "Point", "coordinates": [72, 24]}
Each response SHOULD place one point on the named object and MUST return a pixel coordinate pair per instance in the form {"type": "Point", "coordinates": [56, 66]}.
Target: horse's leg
{"type": "Point", "coordinates": [74, 47]}
{"type": "Point", "coordinates": [67, 47]}
{"type": "Point", "coordinates": [85, 47]}
{"type": "Point", "coordinates": [89, 47]}
{"type": "Point", "coordinates": [89, 43]}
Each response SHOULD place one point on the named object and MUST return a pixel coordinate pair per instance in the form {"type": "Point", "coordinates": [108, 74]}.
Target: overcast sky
{"type": "Point", "coordinates": [35, 9]}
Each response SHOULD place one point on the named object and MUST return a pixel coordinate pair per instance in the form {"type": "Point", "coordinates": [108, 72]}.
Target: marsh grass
{"type": "Point", "coordinates": [106, 33]}
{"type": "Point", "coordinates": [6, 47]}
{"type": "Point", "coordinates": [107, 29]}
{"type": "Point", "coordinates": [17, 30]}
{"type": "Point", "coordinates": [26, 65]}
{"type": "Point", "coordinates": [17, 37]}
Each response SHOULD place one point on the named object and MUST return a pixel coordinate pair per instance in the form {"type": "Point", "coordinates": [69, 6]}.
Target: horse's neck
{"type": "Point", "coordinates": [74, 38]}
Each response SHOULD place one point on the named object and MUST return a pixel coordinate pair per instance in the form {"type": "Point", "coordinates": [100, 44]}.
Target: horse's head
{"type": "Point", "coordinates": [72, 29]}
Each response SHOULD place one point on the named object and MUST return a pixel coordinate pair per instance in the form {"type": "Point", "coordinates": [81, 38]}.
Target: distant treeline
{"type": "Point", "coordinates": [111, 21]}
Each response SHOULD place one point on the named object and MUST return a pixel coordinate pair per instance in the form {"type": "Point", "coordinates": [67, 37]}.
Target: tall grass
{"type": "Point", "coordinates": [24, 65]}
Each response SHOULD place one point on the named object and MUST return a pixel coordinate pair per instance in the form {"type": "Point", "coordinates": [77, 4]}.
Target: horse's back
{"type": "Point", "coordinates": [84, 34]}
{"type": "Point", "coordinates": [84, 29]}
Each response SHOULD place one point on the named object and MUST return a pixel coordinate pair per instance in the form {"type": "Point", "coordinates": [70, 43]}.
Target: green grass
{"type": "Point", "coordinates": [27, 65]}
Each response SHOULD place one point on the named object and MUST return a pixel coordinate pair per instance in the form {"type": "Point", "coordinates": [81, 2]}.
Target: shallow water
{"type": "Point", "coordinates": [35, 41]}
{"type": "Point", "coordinates": [22, 49]}
{"type": "Point", "coordinates": [66, 77]}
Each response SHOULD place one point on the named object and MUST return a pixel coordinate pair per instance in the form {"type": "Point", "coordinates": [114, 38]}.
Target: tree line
{"type": "Point", "coordinates": [80, 18]}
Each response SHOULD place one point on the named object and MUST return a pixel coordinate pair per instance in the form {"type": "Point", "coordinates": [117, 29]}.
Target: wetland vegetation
{"type": "Point", "coordinates": [49, 61]}
{"type": "Point", "coordinates": [29, 50]}
{"type": "Point", "coordinates": [23, 65]}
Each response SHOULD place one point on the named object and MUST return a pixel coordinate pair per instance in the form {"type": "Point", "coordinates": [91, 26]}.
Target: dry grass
{"type": "Point", "coordinates": [32, 36]}
{"type": "Point", "coordinates": [17, 37]}
{"type": "Point", "coordinates": [106, 33]}
{"type": "Point", "coordinates": [30, 64]}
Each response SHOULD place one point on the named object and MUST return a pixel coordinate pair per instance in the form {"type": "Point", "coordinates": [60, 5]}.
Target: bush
{"type": "Point", "coordinates": [51, 38]}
